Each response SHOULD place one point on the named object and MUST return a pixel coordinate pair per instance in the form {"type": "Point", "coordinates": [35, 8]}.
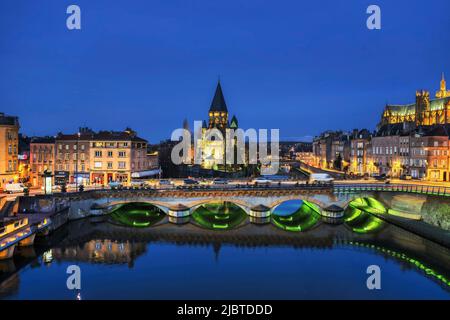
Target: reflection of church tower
{"type": "Point", "coordinates": [218, 112]}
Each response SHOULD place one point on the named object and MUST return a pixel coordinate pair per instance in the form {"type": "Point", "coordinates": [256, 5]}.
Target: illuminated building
{"type": "Point", "coordinates": [430, 155]}
{"type": "Point", "coordinates": [331, 146]}
{"type": "Point", "coordinates": [423, 112]}
{"type": "Point", "coordinates": [42, 158]}
{"type": "Point", "coordinates": [214, 149]}
{"type": "Point", "coordinates": [9, 145]}
{"type": "Point", "coordinates": [360, 161]}
{"type": "Point", "coordinates": [72, 157]}
{"type": "Point", "coordinates": [24, 158]}
{"type": "Point", "coordinates": [115, 155]}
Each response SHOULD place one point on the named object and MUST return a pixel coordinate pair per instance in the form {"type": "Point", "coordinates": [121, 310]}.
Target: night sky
{"type": "Point", "coordinates": [300, 66]}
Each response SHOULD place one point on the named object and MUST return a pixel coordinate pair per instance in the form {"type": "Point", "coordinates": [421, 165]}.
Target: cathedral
{"type": "Point", "coordinates": [424, 112]}
{"type": "Point", "coordinates": [214, 150]}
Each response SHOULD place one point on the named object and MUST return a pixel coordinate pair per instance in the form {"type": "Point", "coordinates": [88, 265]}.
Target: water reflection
{"type": "Point", "coordinates": [223, 251]}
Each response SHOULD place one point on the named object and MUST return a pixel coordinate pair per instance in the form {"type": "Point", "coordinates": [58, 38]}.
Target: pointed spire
{"type": "Point", "coordinates": [234, 123]}
{"type": "Point", "coordinates": [218, 102]}
{"type": "Point", "coordinates": [443, 84]}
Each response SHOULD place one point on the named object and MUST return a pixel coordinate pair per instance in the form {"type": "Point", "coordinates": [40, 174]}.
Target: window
{"type": "Point", "coordinates": [9, 149]}
{"type": "Point", "coordinates": [122, 154]}
{"type": "Point", "coordinates": [82, 147]}
{"type": "Point", "coordinates": [110, 165]}
{"type": "Point", "coordinates": [98, 154]}
{"type": "Point", "coordinates": [110, 154]}
{"type": "Point", "coordinates": [67, 147]}
{"type": "Point", "coordinates": [122, 165]}
{"type": "Point", "coordinates": [82, 156]}
{"type": "Point", "coordinates": [74, 156]}
{"type": "Point", "coordinates": [97, 164]}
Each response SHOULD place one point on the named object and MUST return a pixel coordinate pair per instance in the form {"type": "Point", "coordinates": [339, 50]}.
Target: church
{"type": "Point", "coordinates": [218, 118]}
{"type": "Point", "coordinates": [424, 112]}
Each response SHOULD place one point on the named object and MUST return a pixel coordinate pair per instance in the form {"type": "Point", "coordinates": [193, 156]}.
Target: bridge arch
{"type": "Point", "coordinates": [312, 200]}
{"type": "Point", "coordinates": [367, 203]}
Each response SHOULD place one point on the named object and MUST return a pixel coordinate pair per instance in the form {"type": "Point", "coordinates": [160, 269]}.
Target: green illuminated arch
{"type": "Point", "coordinates": [305, 218]}
{"type": "Point", "coordinates": [361, 221]}
{"type": "Point", "coordinates": [369, 204]}
{"type": "Point", "coordinates": [137, 215]}
{"type": "Point", "coordinates": [219, 215]}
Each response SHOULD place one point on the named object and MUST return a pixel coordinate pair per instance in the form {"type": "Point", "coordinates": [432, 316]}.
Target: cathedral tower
{"type": "Point", "coordinates": [443, 93]}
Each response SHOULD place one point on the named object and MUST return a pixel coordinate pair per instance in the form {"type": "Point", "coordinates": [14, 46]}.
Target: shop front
{"type": "Point", "coordinates": [61, 178]}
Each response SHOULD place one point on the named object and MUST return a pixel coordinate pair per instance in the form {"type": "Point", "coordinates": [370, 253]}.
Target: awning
{"type": "Point", "coordinates": [143, 174]}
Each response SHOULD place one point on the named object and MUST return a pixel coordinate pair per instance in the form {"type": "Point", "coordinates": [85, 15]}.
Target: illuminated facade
{"type": "Point", "coordinates": [424, 112]}
{"type": "Point", "coordinates": [42, 158]}
{"type": "Point", "coordinates": [9, 148]}
{"type": "Point", "coordinates": [114, 156]}
{"type": "Point", "coordinates": [213, 148]}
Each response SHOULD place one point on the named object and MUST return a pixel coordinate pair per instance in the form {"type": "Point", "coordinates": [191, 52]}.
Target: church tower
{"type": "Point", "coordinates": [218, 112]}
{"type": "Point", "coordinates": [443, 93]}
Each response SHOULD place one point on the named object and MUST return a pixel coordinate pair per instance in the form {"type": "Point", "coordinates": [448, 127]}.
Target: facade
{"type": "Point", "coordinates": [331, 150]}
{"type": "Point", "coordinates": [386, 155]}
{"type": "Point", "coordinates": [360, 156]}
{"type": "Point", "coordinates": [72, 157]}
{"type": "Point", "coordinates": [9, 148]}
{"type": "Point", "coordinates": [42, 159]}
{"type": "Point", "coordinates": [115, 155]}
{"type": "Point", "coordinates": [422, 153]}
{"type": "Point", "coordinates": [424, 112]}
{"type": "Point", "coordinates": [213, 150]}
{"type": "Point", "coordinates": [431, 153]}
{"type": "Point", "coordinates": [24, 158]}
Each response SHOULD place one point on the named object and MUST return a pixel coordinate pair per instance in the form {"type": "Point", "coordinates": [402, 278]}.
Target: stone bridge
{"type": "Point", "coordinates": [176, 202]}
{"type": "Point", "coordinates": [258, 202]}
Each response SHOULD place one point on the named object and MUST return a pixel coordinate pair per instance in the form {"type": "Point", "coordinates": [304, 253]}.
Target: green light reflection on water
{"type": "Point", "coordinates": [401, 256]}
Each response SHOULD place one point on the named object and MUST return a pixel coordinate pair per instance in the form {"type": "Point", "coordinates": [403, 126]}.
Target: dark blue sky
{"type": "Point", "coordinates": [301, 66]}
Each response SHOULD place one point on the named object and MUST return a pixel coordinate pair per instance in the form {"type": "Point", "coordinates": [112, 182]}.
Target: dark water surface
{"type": "Point", "coordinates": [218, 253]}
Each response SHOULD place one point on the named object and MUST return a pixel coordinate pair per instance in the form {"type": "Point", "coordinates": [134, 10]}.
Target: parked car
{"type": "Point", "coordinates": [320, 178]}
{"type": "Point", "coordinates": [262, 180]}
{"type": "Point", "coordinates": [115, 185]}
{"type": "Point", "coordinates": [135, 183]}
{"type": "Point", "coordinates": [165, 183]}
{"type": "Point", "coordinates": [379, 177]}
{"type": "Point", "coordinates": [190, 181]}
{"type": "Point", "coordinates": [15, 188]}
{"type": "Point", "coordinates": [220, 181]}
{"type": "Point", "coordinates": [54, 188]}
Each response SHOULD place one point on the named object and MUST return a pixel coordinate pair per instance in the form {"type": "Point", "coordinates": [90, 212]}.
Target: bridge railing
{"type": "Point", "coordinates": [230, 187]}
{"type": "Point", "coordinates": [410, 188]}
